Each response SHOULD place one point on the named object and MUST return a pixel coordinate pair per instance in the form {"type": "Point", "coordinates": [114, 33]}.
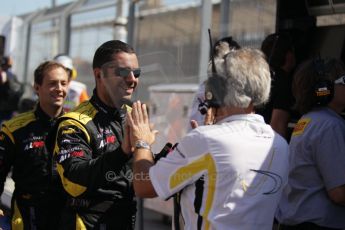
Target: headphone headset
{"type": "Point", "coordinates": [215, 87]}
{"type": "Point", "coordinates": [323, 89]}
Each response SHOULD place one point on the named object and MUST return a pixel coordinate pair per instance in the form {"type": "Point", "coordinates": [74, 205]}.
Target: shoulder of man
{"type": "Point", "coordinates": [83, 113]}
{"type": "Point", "coordinates": [20, 121]}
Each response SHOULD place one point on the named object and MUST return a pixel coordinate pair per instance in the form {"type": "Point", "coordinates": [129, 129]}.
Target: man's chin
{"type": "Point", "coordinates": [58, 104]}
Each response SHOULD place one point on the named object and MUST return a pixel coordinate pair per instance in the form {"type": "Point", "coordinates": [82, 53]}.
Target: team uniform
{"type": "Point", "coordinates": [94, 171]}
{"type": "Point", "coordinates": [317, 164]}
{"type": "Point", "coordinates": [76, 94]}
{"type": "Point", "coordinates": [231, 174]}
{"type": "Point", "coordinates": [36, 201]}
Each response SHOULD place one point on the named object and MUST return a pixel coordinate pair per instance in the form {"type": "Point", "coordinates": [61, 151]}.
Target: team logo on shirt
{"type": "Point", "coordinates": [67, 153]}
{"type": "Point", "coordinates": [109, 137]}
{"type": "Point", "coordinates": [69, 131]}
{"type": "Point", "coordinates": [34, 145]}
{"type": "Point", "coordinates": [300, 126]}
{"type": "Point", "coordinates": [33, 142]}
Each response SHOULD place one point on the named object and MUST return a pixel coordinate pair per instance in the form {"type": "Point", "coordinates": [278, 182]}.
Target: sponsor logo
{"type": "Point", "coordinates": [110, 139]}
{"type": "Point", "coordinates": [65, 154]}
{"type": "Point", "coordinates": [300, 126]}
{"type": "Point", "coordinates": [34, 145]}
{"type": "Point", "coordinates": [102, 144]}
{"type": "Point", "coordinates": [68, 131]}
{"type": "Point", "coordinates": [32, 138]}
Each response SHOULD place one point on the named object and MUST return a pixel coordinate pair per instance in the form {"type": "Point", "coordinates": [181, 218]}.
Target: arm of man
{"type": "Point", "coordinates": [142, 163]}
{"type": "Point", "coordinates": [80, 168]}
{"type": "Point", "coordinates": [337, 195]}
{"type": "Point", "coordinates": [279, 121]}
{"type": "Point", "coordinates": [139, 129]}
{"type": "Point", "coordinates": [6, 155]}
{"type": "Point", "coordinates": [170, 174]}
{"type": "Point", "coordinates": [330, 160]}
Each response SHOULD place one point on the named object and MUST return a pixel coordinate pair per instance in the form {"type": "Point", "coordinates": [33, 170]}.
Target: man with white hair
{"type": "Point", "coordinates": [230, 174]}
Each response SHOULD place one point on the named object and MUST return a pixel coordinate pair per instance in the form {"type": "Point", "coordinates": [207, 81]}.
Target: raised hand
{"type": "Point", "coordinates": [139, 125]}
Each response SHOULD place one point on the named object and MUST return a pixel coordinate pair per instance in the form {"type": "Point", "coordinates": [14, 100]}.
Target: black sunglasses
{"type": "Point", "coordinates": [124, 72]}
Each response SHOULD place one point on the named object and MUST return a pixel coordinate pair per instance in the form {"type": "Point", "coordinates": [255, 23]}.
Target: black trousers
{"type": "Point", "coordinates": [35, 212]}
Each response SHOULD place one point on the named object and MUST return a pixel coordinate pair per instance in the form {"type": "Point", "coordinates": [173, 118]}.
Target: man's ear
{"type": "Point", "coordinates": [36, 88]}
{"type": "Point", "coordinates": [97, 72]}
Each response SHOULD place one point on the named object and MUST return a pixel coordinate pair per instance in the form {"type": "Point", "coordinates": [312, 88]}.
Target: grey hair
{"type": "Point", "coordinates": [247, 77]}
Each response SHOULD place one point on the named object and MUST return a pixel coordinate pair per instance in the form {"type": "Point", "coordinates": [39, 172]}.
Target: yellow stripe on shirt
{"type": "Point", "coordinates": [204, 163]}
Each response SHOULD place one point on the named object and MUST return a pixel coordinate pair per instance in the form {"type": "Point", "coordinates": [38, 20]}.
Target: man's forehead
{"type": "Point", "coordinates": [122, 60]}
{"type": "Point", "coordinates": [53, 73]}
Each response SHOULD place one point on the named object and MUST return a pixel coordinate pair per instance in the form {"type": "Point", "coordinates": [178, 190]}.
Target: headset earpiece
{"type": "Point", "coordinates": [215, 91]}
{"type": "Point", "coordinates": [323, 89]}
{"type": "Point", "coordinates": [215, 86]}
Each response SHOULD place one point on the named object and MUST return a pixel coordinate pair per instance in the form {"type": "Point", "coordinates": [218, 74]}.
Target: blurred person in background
{"type": "Point", "coordinates": [77, 91]}
{"type": "Point", "coordinates": [6, 65]}
{"type": "Point", "coordinates": [94, 169]}
{"type": "Point", "coordinates": [280, 55]}
{"type": "Point", "coordinates": [10, 90]}
{"type": "Point", "coordinates": [228, 172]}
{"type": "Point", "coordinates": [35, 202]}
{"type": "Point", "coordinates": [315, 195]}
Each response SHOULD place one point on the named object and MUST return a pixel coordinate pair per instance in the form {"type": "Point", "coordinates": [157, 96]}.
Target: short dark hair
{"type": "Point", "coordinates": [105, 52]}
{"type": "Point", "coordinates": [41, 70]}
{"type": "Point", "coordinates": [275, 47]}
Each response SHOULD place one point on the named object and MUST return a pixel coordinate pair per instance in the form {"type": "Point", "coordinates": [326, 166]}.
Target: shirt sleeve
{"type": "Point", "coordinates": [181, 167]}
{"type": "Point", "coordinates": [7, 148]}
{"type": "Point", "coordinates": [330, 155]}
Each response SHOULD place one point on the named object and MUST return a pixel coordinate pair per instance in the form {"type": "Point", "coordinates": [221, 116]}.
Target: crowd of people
{"type": "Point", "coordinates": [237, 168]}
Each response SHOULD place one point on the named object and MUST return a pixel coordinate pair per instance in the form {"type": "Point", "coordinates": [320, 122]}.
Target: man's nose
{"type": "Point", "coordinates": [130, 77]}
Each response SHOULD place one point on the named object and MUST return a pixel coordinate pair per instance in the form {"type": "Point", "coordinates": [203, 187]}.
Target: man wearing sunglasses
{"type": "Point", "coordinates": [91, 163]}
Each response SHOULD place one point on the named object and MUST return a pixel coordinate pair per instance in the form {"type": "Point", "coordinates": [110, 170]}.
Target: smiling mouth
{"type": "Point", "coordinates": [58, 97]}
{"type": "Point", "coordinates": [131, 87]}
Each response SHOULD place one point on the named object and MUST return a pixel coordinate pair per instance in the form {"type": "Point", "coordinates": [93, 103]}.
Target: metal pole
{"type": "Point", "coordinates": [206, 17]}
{"type": "Point", "coordinates": [224, 18]}
{"type": "Point", "coordinates": [131, 23]}
{"type": "Point", "coordinates": [120, 32]}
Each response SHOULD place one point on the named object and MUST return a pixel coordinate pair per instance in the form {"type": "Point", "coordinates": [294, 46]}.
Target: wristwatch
{"type": "Point", "coordinates": [140, 144]}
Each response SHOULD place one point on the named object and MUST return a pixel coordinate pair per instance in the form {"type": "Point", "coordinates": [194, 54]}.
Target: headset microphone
{"type": "Point", "coordinates": [164, 152]}
{"type": "Point", "coordinates": [203, 106]}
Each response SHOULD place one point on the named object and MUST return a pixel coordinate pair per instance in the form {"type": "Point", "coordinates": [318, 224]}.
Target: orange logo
{"type": "Point", "coordinates": [300, 126]}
